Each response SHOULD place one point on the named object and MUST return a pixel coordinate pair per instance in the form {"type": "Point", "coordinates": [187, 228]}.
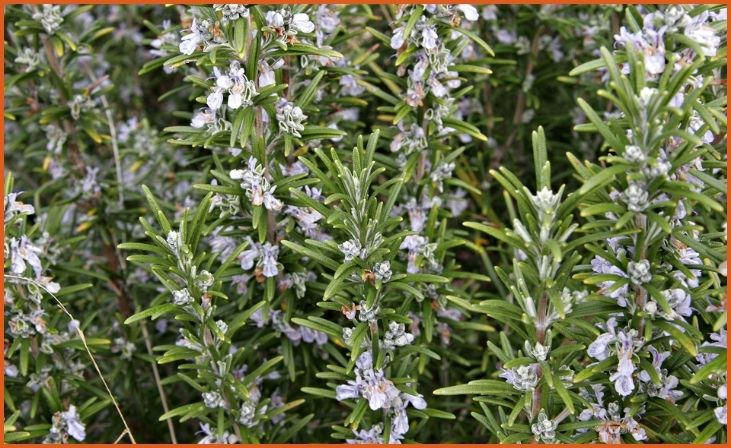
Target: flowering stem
{"type": "Point", "coordinates": [541, 336]}
{"type": "Point", "coordinates": [640, 293]}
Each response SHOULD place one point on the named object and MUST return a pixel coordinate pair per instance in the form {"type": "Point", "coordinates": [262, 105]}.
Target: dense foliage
{"type": "Point", "coordinates": [354, 223]}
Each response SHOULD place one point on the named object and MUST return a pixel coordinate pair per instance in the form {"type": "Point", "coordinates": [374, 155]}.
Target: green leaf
{"type": "Point", "coordinates": [475, 38]}
{"type": "Point", "coordinates": [186, 410]}
{"type": "Point", "coordinates": [587, 67]}
{"type": "Point", "coordinates": [717, 365]}
{"type": "Point", "coordinates": [601, 179]}
{"type": "Point", "coordinates": [73, 289]}
{"type": "Point", "coordinates": [679, 336]}
{"type": "Point", "coordinates": [320, 324]}
{"type": "Point", "coordinates": [609, 137]}
{"type": "Point", "coordinates": [436, 413]}
{"type": "Point", "coordinates": [326, 261]}
{"type": "Point", "coordinates": [319, 392]}
{"type": "Point", "coordinates": [261, 370]}
{"type": "Point", "coordinates": [465, 128]}
{"type": "Point", "coordinates": [153, 312]}
{"type": "Point", "coordinates": [479, 387]}
{"type": "Point", "coordinates": [303, 100]}
{"type": "Point", "coordinates": [564, 394]}
{"type": "Point", "coordinates": [157, 212]}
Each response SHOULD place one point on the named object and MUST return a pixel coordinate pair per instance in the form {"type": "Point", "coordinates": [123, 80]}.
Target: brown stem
{"type": "Point", "coordinates": [520, 104]}
{"type": "Point", "coordinates": [124, 304]}
{"type": "Point", "coordinates": [542, 317]}
{"type": "Point", "coordinates": [420, 168]}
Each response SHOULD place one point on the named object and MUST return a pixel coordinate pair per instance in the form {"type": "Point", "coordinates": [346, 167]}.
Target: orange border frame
{"type": "Point", "coordinates": [274, 2]}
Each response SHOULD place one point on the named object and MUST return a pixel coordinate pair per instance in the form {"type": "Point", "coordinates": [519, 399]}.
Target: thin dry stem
{"type": "Point", "coordinates": [88, 352]}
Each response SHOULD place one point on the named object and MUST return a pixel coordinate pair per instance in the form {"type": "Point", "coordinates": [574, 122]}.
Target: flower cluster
{"type": "Point", "coordinates": [310, 223]}
{"type": "Point", "coordinates": [380, 393]}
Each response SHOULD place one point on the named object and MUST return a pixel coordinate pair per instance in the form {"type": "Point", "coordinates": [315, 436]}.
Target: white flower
{"type": "Point", "coordinates": [64, 424]}
{"type": "Point", "coordinates": [539, 352]}
{"type": "Point", "coordinates": [215, 99]}
{"type": "Point", "coordinates": [378, 390]}
{"type": "Point", "coordinates": [523, 378]}
{"type": "Point", "coordinates": [182, 297]}
{"type": "Point", "coordinates": [190, 42]}
{"type": "Point", "coordinates": [429, 37]}
{"type": "Point", "coordinates": [213, 400]}
{"type": "Point", "coordinates": [720, 413]}
{"type": "Point", "coordinates": [211, 437]}
{"type": "Point", "coordinates": [544, 429]}
{"type": "Point", "coordinates": [249, 256]}
{"type": "Point", "coordinates": [639, 272]}
{"type": "Point", "coordinates": [469, 11]}
{"type": "Point", "coordinates": [290, 118]}
{"type": "Point", "coordinates": [56, 138]}
{"type": "Point", "coordinates": [202, 118]}
{"type": "Point", "coordinates": [266, 75]}
{"type": "Point", "coordinates": [626, 344]}
{"type": "Point", "coordinates": [247, 414]}
{"type": "Point", "coordinates": [256, 185]}
{"type": "Point", "coordinates": [655, 61]}
{"type": "Point", "coordinates": [271, 202]}
{"type": "Point", "coordinates": [89, 185]}
{"type": "Point", "coordinates": [50, 17]}
{"type": "Point", "coordinates": [350, 86]}
{"type": "Point", "coordinates": [240, 90]}
{"type": "Point", "coordinates": [23, 251]}
{"type": "Point", "coordinates": [489, 12]}
{"type": "Point", "coordinates": [13, 207]}
{"type": "Point", "coordinates": [400, 425]}
{"type": "Point", "coordinates": [602, 266]}
{"type": "Point", "coordinates": [269, 255]}
{"type": "Point", "coordinates": [204, 280]}
{"type": "Point", "coordinates": [368, 314]}
{"type": "Point", "coordinates": [232, 12]}
{"type": "Point", "coordinates": [327, 19]}
{"type": "Point", "coordinates": [382, 271]}
{"type": "Point", "coordinates": [368, 436]}
{"type": "Point", "coordinates": [397, 38]}
{"type": "Point", "coordinates": [124, 347]}
{"type": "Point", "coordinates": [396, 336]}
{"type": "Point", "coordinates": [599, 349]}
{"type": "Point", "coordinates": [622, 383]}
{"type": "Point", "coordinates": [75, 427]}
{"type": "Point", "coordinates": [705, 36]}
{"type": "Point", "coordinates": [275, 19]}
{"type": "Point", "coordinates": [309, 335]}
{"type": "Point", "coordinates": [636, 196]}
{"type": "Point", "coordinates": [680, 301]}
{"type": "Point", "coordinates": [545, 200]}
{"type": "Point", "coordinates": [417, 401]}
{"type": "Point", "coordinates": [415, 244]}
{"type": "Point", "coordinates": [351, 249]}
{"type": "Point", "coordinates": [505, 36]}
{"type": "Point", "coordinates": [11, 371]}
{"type": "Point", "coordinates": [347, 391]}
{"type": "Point", "coordinates": [668, 382]}
{"type": "Point", "coordinates": [301, 22]}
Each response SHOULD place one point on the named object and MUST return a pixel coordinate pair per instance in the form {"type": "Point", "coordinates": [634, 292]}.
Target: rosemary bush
{"type": "Point", "coordinates": [365, 224]}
